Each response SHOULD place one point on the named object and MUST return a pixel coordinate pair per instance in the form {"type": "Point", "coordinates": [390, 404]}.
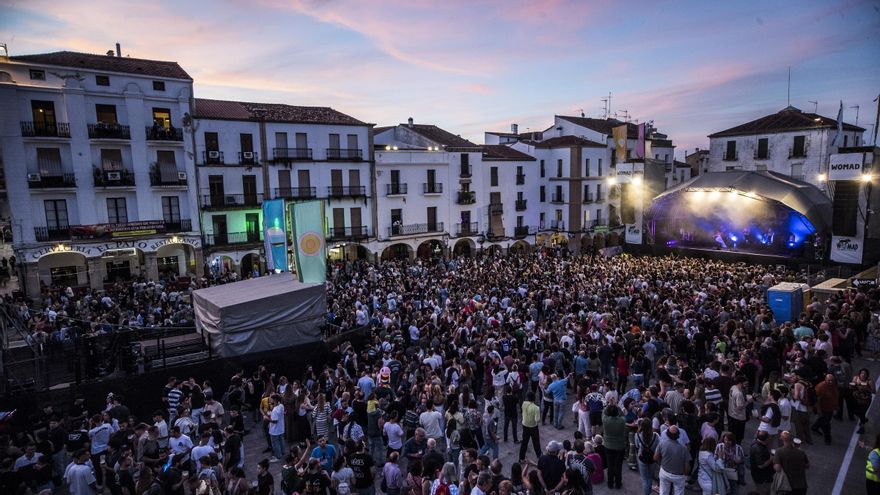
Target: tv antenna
{"type": "Point", "coordinates": [815, 105]}
{"type": "Point", "coordinates": [857, 113]}
{"type": "Point", "coordinates": [582, 113]}
{"type": "Point", "coordinates": [788, 91]}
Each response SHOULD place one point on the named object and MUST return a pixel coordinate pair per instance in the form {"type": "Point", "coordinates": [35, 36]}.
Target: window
{"type": "Point", "coordinates": [111, 160]}
{"type": "Point", "coordinates": [559, 167]}
{"type": "Point", "coordinates": [334, 141]}
{"type": "Point", "coordinates": [542, 169]}
{"type": "Point", "coordinates": [116, 210]}
{"type": "Point", "coordinates": [102, 80]}
{"type": "Point", "coordinates": [587, 167]}
{"type": "Point", "coordinates": [666, 157]}
{"type": "Point", "coordinates": [302, 140]}
{"type": "Point", "coordinates": [599, 164]}
{"type": "Point", "coordinates": [212, 141]}
{"type": "Point", "coordinates": [162, 117]}
{"type": "Point", "coordinates": [763, 149]}
{"type": "Point", "coordinates": [158, 85]}
{"type": "Point", "coordinates": [49, 162]}
{"type": "Point", "coordinates": [44, 114]}
{"type": "Point", "coordinates": [56, 214]}
{"type": "Point", "coordinates": [106, 114]}
{"type": "Point", "coordinates": [598, 191]}
{"type": "Point", "coordinates": [799, 146]}
{"type": "Point", "coordinates": [730, 152]}
{"type": "Point", "coordinates": [543, 194]}
{"type": "Point", "coordinates": [520, 221]}
{"type": "Point", "coordinates": [352, 141]}
{"type": "Point", "coordinates": [493, 176]}
{"type": "Point", "coordinates": [586, 191]}
{"type": "Point", "coordinates": [845, 140]}
{"type": "Point", "coordinates": [38, 75]}
{"type": "Point", "coordinates": [395, 179]}
{"type": "Point", "coordinates": [247, 142]}
{"type": "Point", "coordinates": [171, 209]}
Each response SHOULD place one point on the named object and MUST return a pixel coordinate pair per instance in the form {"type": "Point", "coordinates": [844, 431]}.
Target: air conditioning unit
{"type": "Point", "coordinates": [181, 175]}
{"type": "Point", "coordinates": [33, 177]}
{"type": "Point", "coordinates": [214, 155]}
{"type": "Point", "coordinates": [114, 175]}
{"type": "Point", "coordinates": [230, 199]}
{"type": "Point", "coordinates": [247, 155]}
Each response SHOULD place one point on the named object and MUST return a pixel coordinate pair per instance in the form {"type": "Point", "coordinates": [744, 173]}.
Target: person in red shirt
{"type": "Point", "coordinates": [827, 396]}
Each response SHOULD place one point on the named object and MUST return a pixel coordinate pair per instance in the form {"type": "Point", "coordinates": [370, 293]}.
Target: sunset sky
{"type": "Point", "coordinates": [471, 66]}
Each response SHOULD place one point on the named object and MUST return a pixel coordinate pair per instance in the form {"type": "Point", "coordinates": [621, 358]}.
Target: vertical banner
{"type": "Point", "coordinates": [634, 230]}
{"type": "Point", "coordinates": [619, 134]}
{"type": "Point", "coordinates": [274, 235]}
{"type": "Point", "coordinates": [308, 236]}
{"type": "Point", "coordinates": [847, 249]}
{"type": "Point", "coordinates": [640, 144]}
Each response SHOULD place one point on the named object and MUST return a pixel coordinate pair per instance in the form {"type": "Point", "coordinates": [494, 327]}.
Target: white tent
{"type": "Point", "coordinates": [261, 314]}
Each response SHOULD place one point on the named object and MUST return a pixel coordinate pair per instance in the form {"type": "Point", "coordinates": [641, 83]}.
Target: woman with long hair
{"type": "Point", "coordinates": [862, 389]}
{"type": "Point", "coordinates": [731, 454]}
{"type": "Point", "coordinates": [647, 441]}
{"type": "Point", "coordinates": [710, 470]}
{"type": "Point", "coordinates": [321, 416]}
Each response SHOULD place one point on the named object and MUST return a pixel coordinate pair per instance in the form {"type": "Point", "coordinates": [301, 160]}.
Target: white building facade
{"type": "Point", "coordinates": [251, 152]}
{"type": "Point", "coordinates": [790, 142]}
{"type": "Point", "coordinates": [98, 172]}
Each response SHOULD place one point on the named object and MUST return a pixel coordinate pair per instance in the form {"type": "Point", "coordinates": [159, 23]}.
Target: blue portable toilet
{"type": "Point", "coordinates": [786, 300]}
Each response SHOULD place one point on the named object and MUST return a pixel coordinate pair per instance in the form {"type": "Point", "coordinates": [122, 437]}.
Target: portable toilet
{"type": "Point", "coordinates": [786, 300]}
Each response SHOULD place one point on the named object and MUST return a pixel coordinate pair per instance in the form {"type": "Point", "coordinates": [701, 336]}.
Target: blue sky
{"type": "Point", "coordinates": [471, 66]}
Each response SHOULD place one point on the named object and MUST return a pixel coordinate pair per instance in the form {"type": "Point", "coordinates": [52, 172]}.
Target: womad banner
{"type": "Point", "coordinates": [846, 249]}
{"type": "Point", "coordinates": [275, 235]}
{"type": "Point", "coordinates": [308, 238]}
{"type": "Point", "coordinates": [633, 233]}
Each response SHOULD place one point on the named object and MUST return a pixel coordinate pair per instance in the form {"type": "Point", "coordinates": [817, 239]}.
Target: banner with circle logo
{"type": "Point", "coordinates": [310, 248]}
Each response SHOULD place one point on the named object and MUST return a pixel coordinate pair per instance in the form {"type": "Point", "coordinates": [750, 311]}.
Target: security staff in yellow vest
{"type": "Point", "coordinates": [872, 468]}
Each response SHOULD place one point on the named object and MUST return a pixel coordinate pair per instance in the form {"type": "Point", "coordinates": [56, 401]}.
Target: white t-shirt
{"type": "Point", "coordinates": [180, 445]}
{"type": "Point", "coordinates": [430, 421]}
{"type": "Point", "coordinates": [78, 478]}
{"type": "Point", "coordinates": [395, 435]}
{"type": "Point", "coordinates": [785, 410]}
{"type": "Point", "coordinates": [768, 426]}
{"type": "Point", "coordinates": [276, 420]}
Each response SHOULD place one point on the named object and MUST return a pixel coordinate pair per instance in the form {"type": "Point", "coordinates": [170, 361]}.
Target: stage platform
{"type": "Point", "coordinates": [731, 256]}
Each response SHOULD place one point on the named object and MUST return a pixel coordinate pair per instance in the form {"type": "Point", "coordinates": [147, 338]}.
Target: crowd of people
{"type": "Point", "coordinates": [659, 363]}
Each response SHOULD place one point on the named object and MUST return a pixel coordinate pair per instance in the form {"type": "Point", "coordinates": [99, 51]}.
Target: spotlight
{"type": "Point", "coordinates": [867, 178]}
{"type": "Point", "coordinates": [637, 181]}
{"type": "Point", "coordinates": [822, 177]}
{"type": "Point", "coordinates": [612, 180]}
{"type": "Point", "coordinates": [715, 195]}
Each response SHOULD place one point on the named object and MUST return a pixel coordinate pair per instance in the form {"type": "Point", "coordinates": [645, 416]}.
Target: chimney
{"type": "Point", "coordinates": [410, 122]}
{"type": "Point", "coordinates": [514, 129]}
{"type": "Point", "coordinates": [118, 50]}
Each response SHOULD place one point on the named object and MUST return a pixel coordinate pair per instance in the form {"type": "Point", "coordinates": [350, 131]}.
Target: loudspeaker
{"type": "Point", "coordinates": [627, 204]}
{"type": "Point", "coordinates": [845, 208]}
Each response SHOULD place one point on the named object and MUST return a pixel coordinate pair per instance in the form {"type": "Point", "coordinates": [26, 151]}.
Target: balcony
{"type": "Point", "coordinates": [248, 158]}
{"type": "Point", "coordinates": [599, 197]}
{"type": "Point", "coordinates": [592, 224]}
{"type": "Point", "coordinates": [103, 130]}
{"type": "Point", "coordinates": [345, 154]}
{"type": "Point", "coordinates": [521, 205]}
{"type": "Point", "coordinates": [589, 198]}
{"type": "Point", "coordinates": [157, 180]}
{"type": "Point", "coordinates": [466, 229]}
{"type": "Point", "coordinates": [558, 225]}
{"type": "Point", "coordinates": [432, 187]}
{"type": "Point", "coordinates": [466, 198]}
{"type": "Point", "coordinates": [218, 201]}
{"type": "Point", "coordinates": [117, 177]}
{"type": "Point", "coordinates": [465, 172]}
{"type": "Point", "coordinates": [797, 152]}
{"type": "Point", "coordinates": [557, 198]}
{"type": "Point", "coordinates": [520, 179]}
{"type": "Point", "coordinates": [291, 154]}
{"type": "Point", "coordinates": [295, 192]}
{"type": "Point", "coordinates": [182, 225]}
{"type": "Point", "coordinates": [37, 181]}
{"type": "Point", "coordinates": [46, 234]}
{"type": "Point", "coordinates": [213, 157]}
{"type": "Point", "coordinates": [730, 157]}
{"type": "Point", "coordinates": [347, 233]}
{"type": "Point", "coordinates": [520, 231]}
{"type": "Point", "coordinates": [396, 189]}
{"type": "Point", "coordinates": [45, 129]}
{"type": "Point", "coordinates": [414, 229]}
{"type": "Point", "coordinates": [159, 133]}
{"type": "Point", "coordinates": [496, 208]}
{"type": "Point", "coordinates": [346, 191]}
{"type": "Point", "coordinates": [233, 238]}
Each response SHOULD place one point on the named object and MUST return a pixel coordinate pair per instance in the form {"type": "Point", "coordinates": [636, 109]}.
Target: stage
{"type": "Point", "coordinates": [726, 255]}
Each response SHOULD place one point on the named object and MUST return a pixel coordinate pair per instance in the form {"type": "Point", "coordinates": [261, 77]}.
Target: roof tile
{"type": "Point", "coordinates": [787, 119]}
{"type": "Point", "coordinates": [107, 63]}
{"type": "Point", "coordinates": [270, 112]}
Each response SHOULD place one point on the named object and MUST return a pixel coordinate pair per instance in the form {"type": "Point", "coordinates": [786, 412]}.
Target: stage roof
{"type": "Point", "coordinates": [800, 196]}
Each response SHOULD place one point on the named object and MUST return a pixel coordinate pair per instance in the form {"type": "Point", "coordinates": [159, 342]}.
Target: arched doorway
{"type": "Point", "coordinates": [249, 263]}
{"type": "Point", "coordinates": [221, 265]}
{"type": "Point", "coordinates": [519, 247]}
{"type": "Point", "coordinates": [494, 250]}
{"type": "Point", "coordinates": [348, 252]}
{"type": "Point", "coordinates": [398, 251]}
{"type": "Point", "coordinates": [176, 259]}
{"type": "Point", "coordinates": [430, 249]}
{"type": "Point", "coordinates": [122, 264]}
{"type": "Point", "coordinates": [63, 269]}
{"type": "Point", "coordinates": [464, 247]}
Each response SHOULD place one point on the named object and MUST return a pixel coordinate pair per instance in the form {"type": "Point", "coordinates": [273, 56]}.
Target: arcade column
{"type": "Point", "coordinates": [200, 263]}
{"type": "Point", "coordinates": [32, 280]}
{"type": "Point", "coordinates": [152, 266]}
{"type": "Point", "coordinates": [97, 273]}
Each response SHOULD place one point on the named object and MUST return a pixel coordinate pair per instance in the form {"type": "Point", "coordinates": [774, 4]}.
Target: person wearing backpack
{"type": "Point", "coordinates": [802, 405]}
{"type": "Point", "coordinates": [446, 482]}
{"type": "Point", "coordinates": [771, 417]}
{"type": "Point", "coordinates": [646, 442]}
{"type": "Point", "coordinates": [579, 461]}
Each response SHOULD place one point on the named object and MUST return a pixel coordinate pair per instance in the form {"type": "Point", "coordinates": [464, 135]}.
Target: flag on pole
{"type": "Point", "coordinates": [619, 134]}
{"type": "Point", "coordinates": [275, 235]}
{"type": "Point", "coordinates": [839, 125]}
{"type": "Point", "coordinates": [640, 144]}
{"type": "Point", "coordinates": [308, 238]}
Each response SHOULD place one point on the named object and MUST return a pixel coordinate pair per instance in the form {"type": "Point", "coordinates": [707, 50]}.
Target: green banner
{"type": "Point", "coordinates": [308, 240]}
